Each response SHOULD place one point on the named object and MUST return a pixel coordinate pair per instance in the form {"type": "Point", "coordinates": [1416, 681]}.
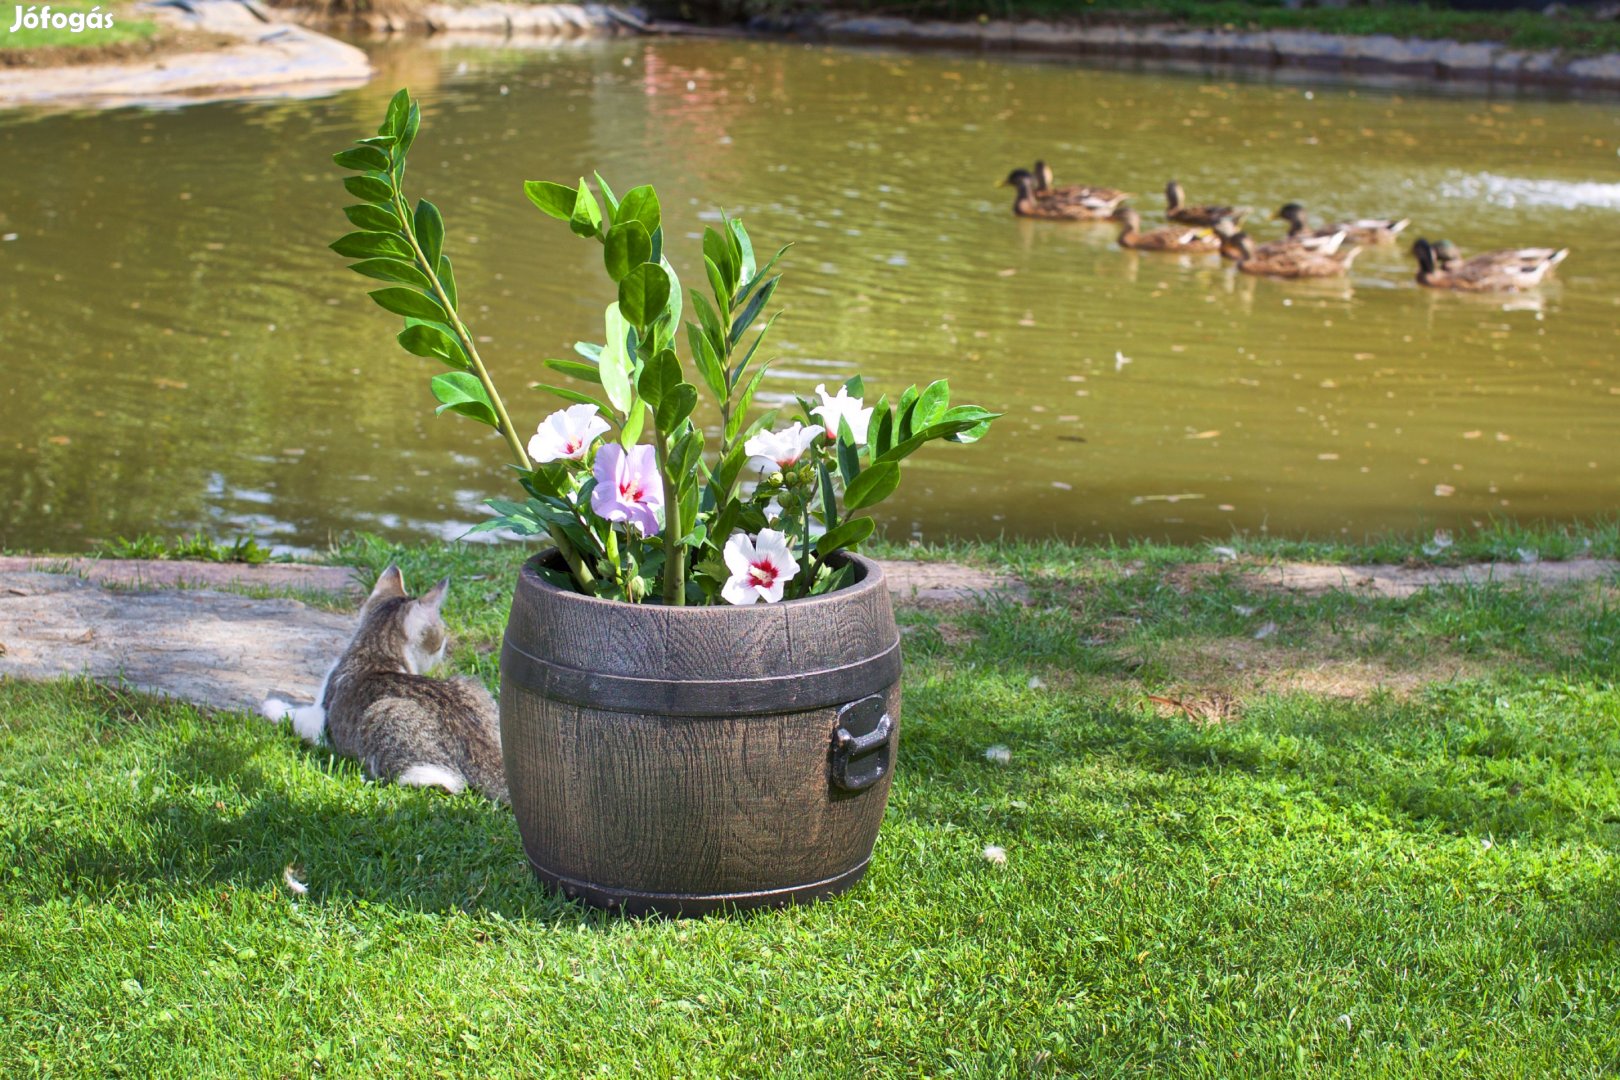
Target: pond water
{"type": "Point", "coordinates": [182, 352]}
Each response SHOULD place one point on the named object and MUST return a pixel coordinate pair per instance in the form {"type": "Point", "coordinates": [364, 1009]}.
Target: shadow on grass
{"type": "Point", "coordinates": [348, 839]}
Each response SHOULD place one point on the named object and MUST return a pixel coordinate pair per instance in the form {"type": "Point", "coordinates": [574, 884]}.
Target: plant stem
{"type": "Point", "coordinates": [674, 551]}
{"type": "Point", "coordinates": [581, 572]}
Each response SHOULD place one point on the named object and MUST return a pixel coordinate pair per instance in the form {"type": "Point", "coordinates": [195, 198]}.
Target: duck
{"type": "Point", "coordinates": [1026, 203]}
{"type": "Point", "coordinates": [1361, 231]}
{"type": "Point", "coordinates": [1319, 243]}
{"type": "Point", "coordinates": [1164, 238]}
{"type": "Point", "coordinates": [1292, 261]}
{"type": "Point", "coordinates": [1178, 210]}
{"type": "Point", "coordinates": [1495, 271]}
{"type": "Point", "coordinates": [1104, 200]}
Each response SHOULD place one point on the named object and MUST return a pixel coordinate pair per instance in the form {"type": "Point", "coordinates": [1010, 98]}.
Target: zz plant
{"type": "Point", "coordinates": [642, 499]}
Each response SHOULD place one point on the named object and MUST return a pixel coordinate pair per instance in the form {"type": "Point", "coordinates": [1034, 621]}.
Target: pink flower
{"type": "Point", "coordinates": [759, 567]}
{"type": "Point", "coordinates": [770, 451]}
{"type": "Point", "coordinates": [843, 407]}
{"type": "Point", "coordinates": [566, 434]}
{"type": "Point", "coordinates": [628, 487]}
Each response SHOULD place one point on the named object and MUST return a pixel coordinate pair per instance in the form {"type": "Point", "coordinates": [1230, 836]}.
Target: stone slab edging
{"type": "Point", "coordinates": [492, 21]}
{"type": "Point", "coordinates": [271, 59]}
{"type": "Point", "coordinates": [1473, 61]}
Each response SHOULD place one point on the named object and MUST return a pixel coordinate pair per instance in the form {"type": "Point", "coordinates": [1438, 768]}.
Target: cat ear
{"type": "Point", "coordinates": [389, 584]}
{"type": "Point", "coordinates": [433, 599]}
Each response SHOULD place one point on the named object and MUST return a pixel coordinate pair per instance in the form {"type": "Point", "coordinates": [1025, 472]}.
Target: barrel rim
{"type": "Point", "coordinates": [869, 577]}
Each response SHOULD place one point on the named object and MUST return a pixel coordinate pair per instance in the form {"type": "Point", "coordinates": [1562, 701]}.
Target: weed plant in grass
{"type": "Point", "coordinates": [1412, 875]}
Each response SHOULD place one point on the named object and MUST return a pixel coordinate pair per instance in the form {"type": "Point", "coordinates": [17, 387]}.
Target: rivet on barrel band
{"type": "Point", "coordinates": [798, 692]}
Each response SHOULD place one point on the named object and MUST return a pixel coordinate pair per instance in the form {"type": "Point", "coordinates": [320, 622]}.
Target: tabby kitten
{"type": "Point", "coordinates": [377, 707]}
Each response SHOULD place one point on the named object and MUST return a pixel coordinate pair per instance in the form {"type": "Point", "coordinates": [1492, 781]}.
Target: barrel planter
{"type": "Point", "coordinates": [687, 759]}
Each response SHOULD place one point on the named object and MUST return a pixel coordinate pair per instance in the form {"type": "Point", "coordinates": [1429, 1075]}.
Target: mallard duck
{"type": "Point", "coordinates": [1178, 210]}
{"type": "Point", "coordinates": [1103, 200]}
{"type": "Point", "coordinates": [1361, 231]}
{"type": "Point", "coordinates": [1232, 247]}
{"type": "Point", "coordinates": [1495, 271]}
{"type": "Point", "coordinates": [1292, 261]}
{"type": "Point", "coordinates": [1164, 238]}
{"type": "Point", "coordinates": [1027, 204]}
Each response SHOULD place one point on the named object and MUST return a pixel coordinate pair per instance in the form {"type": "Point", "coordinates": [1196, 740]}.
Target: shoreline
{"type": "Point", "coordinates": [1439, 60]}
{"type": "Point", "coordinates": [1343, 54]}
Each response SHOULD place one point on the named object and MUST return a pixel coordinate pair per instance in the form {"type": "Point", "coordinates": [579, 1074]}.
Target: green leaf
{"type": "Point", "coordinates": [708, 365]}
{"type": "Point", "coordinates": [575, 396]}
{"type": "Point", "coordinates": [849, 456]}
{"type": "Point", "coordinates": [855, 386]}
{"type": "Point", "coordinates": [829, 498]}
{"type": "Point", "coordinates": [902, 421]}
{"type": "Point", "coordinates": [880, 432]}
{"type": "Point", "coordinates": [555, 200]}
{"type": "Point", "coordinates": [373, 245]}
{"type": "Point", "coordinates": [753, 282]}
{"type": "Point", "coordinates": [717, 281]}
{"type": "Point", "coordinates": [661, 375]}
{"type": "Point", "coordinates": [717, 250]}
{"type": "Point", "coordinates": [972, 434]}
{"type": "Point", "coordinates": [677, 405]}
{"type": "Point", "coordinates": [407, 134]}
{"type": "Point", "coordinates": [633, 424]}
{"type": "Point", "coordinates": [641, 204]}
{"type": "Point", "coordinates": [399, 107]}
{"type": "Point", "coordinates": [363, 159]}
{"type": "Point", "coordinates": [751, 312]}
{"type": "Point", "coordinates": [432, 340]}
{"type": "Point", "coordinates": [848, 535]}
{"type": "Point", "coordinates": [931, 404]}
{"type": "Point", "coordinates": [372, 218]}
{"type": "Point", "coordinates": [429, 230]}
{"type": "Point", "coordinates": [588, 372]}
{"type": "Point", "coordinates": [370, 188]}
{"type": "Point", "coordinates": [945, 429]}
{"type": "Point", "coordinates": [748, 357]}
{"type": "Point", "coordinates": [616, 366]}
{"type": "Point", "coordinates": [586, 220]}
{"type": "Point", "coordinates": [739, 409]}
{"type": "Point", "coordinates": [628, 246]}
{"type": "Point", "coordinates": [381, 141]}
{"type": "Point", "coordinates": [609, 198]}
{"type": "Point", "coordinates": [410, 303]}
{"type": "Point", "coordinates": [643, 294]}
{"type": "Point", "coordinates": [461, 392]}
{"type": "Point", "coordinates": [710, 321]}
{"type": "Point", "coordinates": [447, 278]}
{"type": "Point", "coordinates": [872, 486]}
{"type": "Point", "coordinates": [392, 270]}
{"type": "Point", "coordinates": [744, 248]}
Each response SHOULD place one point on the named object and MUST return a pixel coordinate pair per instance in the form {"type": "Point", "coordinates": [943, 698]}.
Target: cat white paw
{"type": "Point", "coordinates": [433, 776]}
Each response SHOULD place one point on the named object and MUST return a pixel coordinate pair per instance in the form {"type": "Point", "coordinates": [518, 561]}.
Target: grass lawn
{"type": "Point", "coordinates": [1377, 837]}
{"type": "Point", "coordinates": [1525, 28]}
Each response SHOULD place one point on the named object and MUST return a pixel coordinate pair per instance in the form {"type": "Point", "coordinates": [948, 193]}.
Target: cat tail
{"type": "Point", "coordinates": [309, 721]}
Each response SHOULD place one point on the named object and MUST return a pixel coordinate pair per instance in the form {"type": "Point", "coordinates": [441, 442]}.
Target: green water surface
{"type": "Point", "coordinates": [180, 351]}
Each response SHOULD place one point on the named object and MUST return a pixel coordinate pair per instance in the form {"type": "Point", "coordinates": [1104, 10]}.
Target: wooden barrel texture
{"type": "Point", "coordinates": [689, 759]}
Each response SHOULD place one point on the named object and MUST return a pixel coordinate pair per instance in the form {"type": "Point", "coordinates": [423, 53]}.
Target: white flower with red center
{"type": "Point", "coordinates": [772, 451]}
{"type": "Point", "coordinates": [832, 410]}
{"type": "Point", "coordinates": [760, 566]}
{"type": "Point", "coordinates": [566, 434]}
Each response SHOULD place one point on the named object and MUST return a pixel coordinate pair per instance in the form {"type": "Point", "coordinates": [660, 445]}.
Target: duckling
{"type": "Point", "coordinates": [1362, 230]}
{"type": "Point", "coordinates": [1103, 200]}
{"type": "Point", "coordinates": [1027, 204]}
{"type": "Point", "coordinates": [1178, 209]}
{"type": "Point", "coordinates": [1494, 271]}
{"type": "Point", "coordinates": [1232, 247]}
{"type": "Point", "coordinates": [1164, 238]}
{"type": "Point", "coordinates": [1292, 262]}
